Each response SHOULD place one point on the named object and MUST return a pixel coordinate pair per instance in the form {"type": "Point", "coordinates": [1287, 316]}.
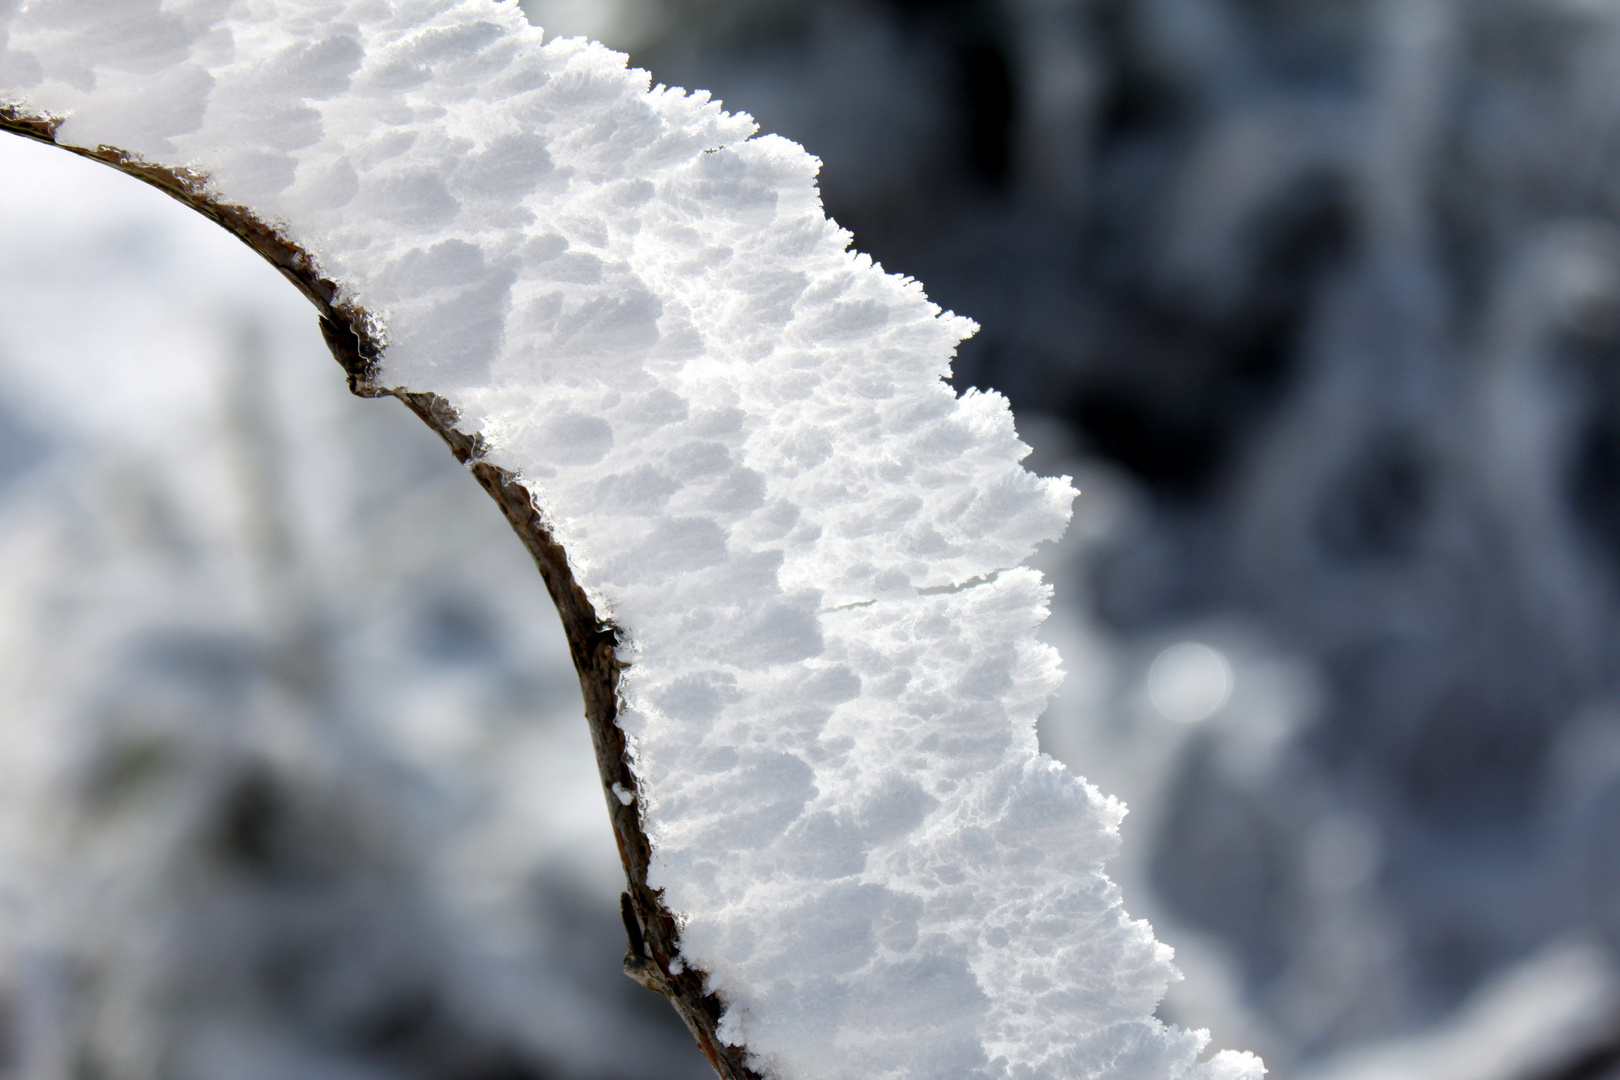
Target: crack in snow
{"type": "Point", "coordinates": [931, 590]}
{"type": "Point", "coordinates": [970, 583]}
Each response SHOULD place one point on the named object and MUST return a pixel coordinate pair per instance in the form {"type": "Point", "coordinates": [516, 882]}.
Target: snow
{"type": "Point", "coordinates": [739, 431]}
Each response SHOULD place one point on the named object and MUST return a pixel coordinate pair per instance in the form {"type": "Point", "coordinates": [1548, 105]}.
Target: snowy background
{"type": "Point", "coordinates": [1318, 300]}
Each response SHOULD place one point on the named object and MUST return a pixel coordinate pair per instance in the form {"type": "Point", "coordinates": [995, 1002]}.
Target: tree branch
{"type": "Point", "coordinates": [356, 341]}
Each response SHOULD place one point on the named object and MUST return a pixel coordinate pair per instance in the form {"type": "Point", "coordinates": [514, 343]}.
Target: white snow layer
{"type": "Point", "coordinates": [739, 431]}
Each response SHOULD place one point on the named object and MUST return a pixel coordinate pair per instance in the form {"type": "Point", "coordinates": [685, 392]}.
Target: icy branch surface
{"type": "Point", "coordinates": [740, 433]}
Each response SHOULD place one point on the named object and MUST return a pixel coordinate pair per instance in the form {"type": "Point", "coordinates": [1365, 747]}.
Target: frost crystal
{"type": "Point", "coordinates": [739, 432]}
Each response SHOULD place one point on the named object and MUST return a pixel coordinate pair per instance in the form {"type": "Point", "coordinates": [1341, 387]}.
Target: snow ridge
{"type": "Point", "coordinates": [740, 433]}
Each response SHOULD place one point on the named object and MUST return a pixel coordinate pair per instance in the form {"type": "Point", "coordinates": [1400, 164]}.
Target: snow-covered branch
{"type": "Point", "coordinates": [786, 554]}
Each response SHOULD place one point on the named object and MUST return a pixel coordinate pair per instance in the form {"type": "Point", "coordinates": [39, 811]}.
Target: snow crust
{"type": "Point", "coordinates": [739, 431]}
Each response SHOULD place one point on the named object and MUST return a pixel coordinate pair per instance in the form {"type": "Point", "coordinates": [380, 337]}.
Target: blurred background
{"type": "Point", "coordinates": [1318, 300]}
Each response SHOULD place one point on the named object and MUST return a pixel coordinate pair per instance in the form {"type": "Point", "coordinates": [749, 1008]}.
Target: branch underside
{"type": "Point", "coordinates": [357, 344]}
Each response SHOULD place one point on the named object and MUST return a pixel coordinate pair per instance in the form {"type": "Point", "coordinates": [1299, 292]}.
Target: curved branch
{"type": "Point", "coordinates": [356, 340]}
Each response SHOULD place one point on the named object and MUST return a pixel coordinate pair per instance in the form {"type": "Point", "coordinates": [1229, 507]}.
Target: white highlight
{"type": "Point", "coordinates": [1190, 682]}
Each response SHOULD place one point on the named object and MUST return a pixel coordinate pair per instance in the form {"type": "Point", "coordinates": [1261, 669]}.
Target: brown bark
{"type": "Point", "coordinates": [357, 342]}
